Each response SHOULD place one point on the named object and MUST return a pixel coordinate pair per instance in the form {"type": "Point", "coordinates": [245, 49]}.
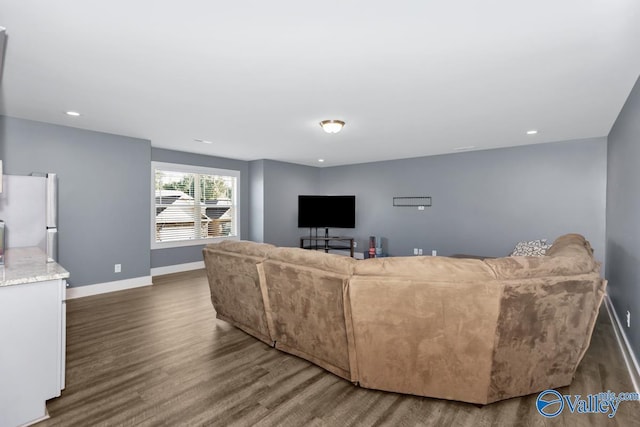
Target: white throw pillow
{"type": "Point", "coordinates": [531, 248]}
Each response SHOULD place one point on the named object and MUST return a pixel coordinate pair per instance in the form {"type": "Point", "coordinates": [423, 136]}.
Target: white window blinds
{"type": "Point", "coordinates": [193, 206]}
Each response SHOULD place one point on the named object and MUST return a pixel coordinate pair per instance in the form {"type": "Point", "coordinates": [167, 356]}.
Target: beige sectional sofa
{"type": "Point", "coordinates": [461, 329]}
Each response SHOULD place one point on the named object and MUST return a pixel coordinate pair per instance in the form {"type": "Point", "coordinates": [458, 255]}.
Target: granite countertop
{"type": "Point", "coordinates": [28, 265]}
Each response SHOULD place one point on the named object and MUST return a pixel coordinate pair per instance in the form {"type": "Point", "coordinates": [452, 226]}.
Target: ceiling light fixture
{"type": "Point", "coordinates": [72, 113]}
{"type": "Point", "coordinates": [203, 140]}
{"type": "Point", "coordinates": [467, 147]}
{"type": "Point", "coordinates": [321, 160]}
{"type": "Point", "coordinates": [332, 126]}
{"type": "Point", "coordinates": [532, 132]}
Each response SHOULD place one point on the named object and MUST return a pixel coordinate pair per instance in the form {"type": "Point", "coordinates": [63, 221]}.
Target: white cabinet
{"type": "Point", "coordinates": [32, 349]}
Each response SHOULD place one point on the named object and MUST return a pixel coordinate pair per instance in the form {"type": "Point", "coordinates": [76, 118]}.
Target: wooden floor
{"type": "Point", "coordinates": [157, 356]}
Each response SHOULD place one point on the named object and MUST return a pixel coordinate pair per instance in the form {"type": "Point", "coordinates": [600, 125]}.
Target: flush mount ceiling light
{"type": "Point", "coordinates": [203, 141]}
{"type": "Point", "coordinates": [72, 113]}
{"type": "Point", "coordinates": [532, 132]}
{"type": "Point", "coordinates": [332, 126]}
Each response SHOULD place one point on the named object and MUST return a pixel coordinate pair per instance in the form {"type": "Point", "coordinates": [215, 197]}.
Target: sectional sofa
{"type": "Point", "coordinates": [471, 330]}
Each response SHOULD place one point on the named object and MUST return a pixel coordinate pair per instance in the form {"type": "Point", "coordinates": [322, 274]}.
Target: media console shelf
{"type": "Point", "coordinates": [325, 243]}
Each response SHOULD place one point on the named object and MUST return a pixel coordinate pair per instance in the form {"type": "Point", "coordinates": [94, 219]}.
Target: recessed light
{"type": "Point", "coordinates": [72, 113]}
{"type": "Point", "coordinates": [467, 147]}
{"type": "Point", "coordinates": [203, 140]}
{"type": "Point", "coordinates": [321, 160]}
{"type": "Point", "coordinates": [532, 132]}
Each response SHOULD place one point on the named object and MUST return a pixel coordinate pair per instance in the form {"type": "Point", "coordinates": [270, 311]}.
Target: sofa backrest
{"type": "Point", "coordinates": [236, 287]}
{"type": "Point", "coordinates": [306, 306]}
{"type": "Point", "coordinates": [425, 325]}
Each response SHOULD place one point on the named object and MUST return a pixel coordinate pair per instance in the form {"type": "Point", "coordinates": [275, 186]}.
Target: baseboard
{"type": "Point", "coordinates": [629, 356]}
{"type": "Point", "coordinates": [178, 268]}
{"type": "Point", "coordinates": [103, 288]}
{"type": "Point", "coordinates": [46, 416]}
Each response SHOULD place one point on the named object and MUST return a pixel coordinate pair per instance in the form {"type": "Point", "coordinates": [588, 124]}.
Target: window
{"type": "Point", "coordinates": [193, 205]}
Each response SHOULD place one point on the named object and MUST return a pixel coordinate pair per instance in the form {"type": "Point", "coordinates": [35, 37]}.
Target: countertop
{"type": "Point", "coordinates": [28, 265]}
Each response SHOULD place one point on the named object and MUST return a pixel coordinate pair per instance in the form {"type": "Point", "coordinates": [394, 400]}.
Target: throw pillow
{"type": "Point", "coordinates": [531, 248]}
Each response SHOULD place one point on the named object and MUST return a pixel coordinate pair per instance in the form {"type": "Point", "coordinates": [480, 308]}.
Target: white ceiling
{"type": "Point", "coordinates": [410, 78]}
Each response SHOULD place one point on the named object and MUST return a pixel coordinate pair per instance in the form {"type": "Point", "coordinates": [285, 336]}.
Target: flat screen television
{"type": "Point", "coordinates": [327, 211]}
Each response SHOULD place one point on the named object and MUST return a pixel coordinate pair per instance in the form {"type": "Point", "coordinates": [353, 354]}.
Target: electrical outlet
{"type": "Point", "coordinates": [434, 253]}
{"type": "Point", "coordinates": [628, 319]}
{"type": "Point", "coordinates": [117, 268]}
{"type": "Point", "coordinates": [420, 208]}
{"type": "Point", "coordinates": [420, 251]}
{"type": "Point", "coordinates": [415, 251]}
{"type": "Point", "coordinates": [355, 244]}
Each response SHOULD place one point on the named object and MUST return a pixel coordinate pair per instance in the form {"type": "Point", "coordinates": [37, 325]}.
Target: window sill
{"type": "Point", "coordinates": [185, 243]}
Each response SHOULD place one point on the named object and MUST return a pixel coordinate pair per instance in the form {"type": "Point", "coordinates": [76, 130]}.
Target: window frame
{"type": "Point", "coordinates": [202, 170]}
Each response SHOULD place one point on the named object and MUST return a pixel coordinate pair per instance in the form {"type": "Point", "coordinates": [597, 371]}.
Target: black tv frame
{"type": "Point", "coordinates": [319, 200]}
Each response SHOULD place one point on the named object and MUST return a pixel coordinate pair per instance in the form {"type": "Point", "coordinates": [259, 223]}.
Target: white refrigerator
{"type": "Point", "coordinates": [29, 210]}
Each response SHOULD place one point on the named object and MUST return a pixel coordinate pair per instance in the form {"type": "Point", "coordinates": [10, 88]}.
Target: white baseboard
{"type": "Point", "coordinates": [103, 288]}
{"type": "Point", "coordinates": [178, 268]}
{"type": "Point", "coordinates": [629, 356]}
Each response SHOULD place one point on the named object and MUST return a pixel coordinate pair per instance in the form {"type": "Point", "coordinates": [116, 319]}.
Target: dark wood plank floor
{"type": "Point", "coordinates": [157, 356]}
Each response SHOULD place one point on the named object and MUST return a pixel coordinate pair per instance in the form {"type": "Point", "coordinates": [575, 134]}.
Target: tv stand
{"type": "Point", "coordinates": [327, 242]}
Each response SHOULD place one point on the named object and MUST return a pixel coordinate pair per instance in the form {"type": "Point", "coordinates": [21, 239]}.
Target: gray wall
{"type": "Point", "coordinates": [483, 201]}
{"type": "Point", "coordinates": [623, 216]}
{"type": "Point", "coordinates": [283, 182]}
{"type": "Point", "coordinates": [173, 256]}
{"type": "Point", "coordinates": [104, 201]}
{"type": "Point", "coordinates": [256, 201]}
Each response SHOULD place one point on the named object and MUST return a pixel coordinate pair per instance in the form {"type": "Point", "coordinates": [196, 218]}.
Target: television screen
{"type": "Point", "coordinates": [327, 211]}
